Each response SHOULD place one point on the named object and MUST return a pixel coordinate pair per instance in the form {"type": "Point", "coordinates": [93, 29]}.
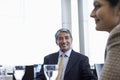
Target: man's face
{"type": "Point", "coordinates": [64, 41]}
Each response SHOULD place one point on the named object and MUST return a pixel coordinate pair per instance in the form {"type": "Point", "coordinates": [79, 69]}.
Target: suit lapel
{"type": "Point", "coordinates": [54, 59]}
{"type": "Point", "coordinates": [71, 62]}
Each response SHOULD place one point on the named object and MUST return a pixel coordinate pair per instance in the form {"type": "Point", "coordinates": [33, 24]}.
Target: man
{"type": "Point", "coordinates": [76, 65]}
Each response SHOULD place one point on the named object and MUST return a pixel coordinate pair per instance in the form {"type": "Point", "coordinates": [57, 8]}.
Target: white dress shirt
{"type": "Point", "coordinates": [66, 58]}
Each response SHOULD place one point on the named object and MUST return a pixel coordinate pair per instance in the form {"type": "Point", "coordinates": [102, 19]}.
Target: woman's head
{"type": "Point", "coordinates": [106, 14]}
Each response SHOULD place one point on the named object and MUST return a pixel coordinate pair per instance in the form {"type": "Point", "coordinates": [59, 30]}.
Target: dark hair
{"type": "Point", "coordinates": [113, 3]}
{"type": "Point", "coordinates": [62, 30]}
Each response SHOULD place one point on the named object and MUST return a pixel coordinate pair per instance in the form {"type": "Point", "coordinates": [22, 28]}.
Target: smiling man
{"type": "Point", "coordinates": [76, 65]}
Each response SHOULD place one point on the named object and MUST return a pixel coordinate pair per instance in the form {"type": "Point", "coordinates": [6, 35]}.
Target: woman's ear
{"type": "Point", "coordinates": [119, 8]}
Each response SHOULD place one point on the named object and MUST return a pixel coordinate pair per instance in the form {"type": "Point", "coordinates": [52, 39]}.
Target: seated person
{"type": "Point", "coordinates": [76, 65]}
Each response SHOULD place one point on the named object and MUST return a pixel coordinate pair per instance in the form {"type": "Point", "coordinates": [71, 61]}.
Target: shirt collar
{"type": "Point", "coordinates": [67, 53]}
{"type": "Point", "coordinates": [115, 28]}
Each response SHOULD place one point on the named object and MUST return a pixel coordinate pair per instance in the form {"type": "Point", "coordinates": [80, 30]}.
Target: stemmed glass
{"type": "Point", "coordinates": [51, 71]}
{"type": "Point", "coordinates": [2, 73]}
{"type": "Point", "coordinates": [19, 72]}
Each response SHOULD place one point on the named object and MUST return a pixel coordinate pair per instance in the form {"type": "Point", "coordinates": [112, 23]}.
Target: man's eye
{"type": "Point", "coordinates": [66, 37]}
{"type": "Point", "coordinates": [60, 38]}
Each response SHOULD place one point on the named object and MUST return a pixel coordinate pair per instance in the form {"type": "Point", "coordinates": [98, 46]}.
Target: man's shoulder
{"type": "Point", "coordinates": [52, 54]}
{"type": "Point", "coordinates": [79, 54]}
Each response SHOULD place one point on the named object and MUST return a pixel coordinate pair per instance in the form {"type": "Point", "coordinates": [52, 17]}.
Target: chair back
{"type": "Point", "coordinates": [98, 68]}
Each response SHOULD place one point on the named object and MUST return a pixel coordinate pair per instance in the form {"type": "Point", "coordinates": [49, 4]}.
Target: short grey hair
{"type": "Point", "coordinates": [62, 30]}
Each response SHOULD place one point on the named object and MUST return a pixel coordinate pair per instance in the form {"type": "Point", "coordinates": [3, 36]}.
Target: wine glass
{"type": "Point", "coordinates": [51, 71]}
{"type": "Point", "coordinates": [19, 72]}
{"type": "Point", "coordinates": [2, 73]}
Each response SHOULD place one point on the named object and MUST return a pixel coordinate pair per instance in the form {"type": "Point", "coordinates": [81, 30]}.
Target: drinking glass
{"type": "Point", "coordinates": [19, 72]}
{"type": "Point", "coordinates": [51, 71]}
{"type": "Point", "coordinates": [2, 73]}
{"type": "Point", "coordinates": [37, 68]}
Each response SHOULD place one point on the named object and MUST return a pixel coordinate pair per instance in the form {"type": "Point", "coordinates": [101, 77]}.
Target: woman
{"type": "Point", "coordinates": [107, 18]}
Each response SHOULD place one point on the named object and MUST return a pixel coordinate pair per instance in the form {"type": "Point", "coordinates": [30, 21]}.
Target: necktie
{"type": "Point", "coordinates": [60, 67]}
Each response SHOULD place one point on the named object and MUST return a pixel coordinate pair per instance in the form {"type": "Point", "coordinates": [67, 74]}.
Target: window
{"type": "Point", "coordinates": [27, 29]}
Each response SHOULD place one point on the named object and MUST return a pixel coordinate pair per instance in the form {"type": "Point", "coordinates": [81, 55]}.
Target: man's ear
{"type": "Point", "coordinates": [56, 42]}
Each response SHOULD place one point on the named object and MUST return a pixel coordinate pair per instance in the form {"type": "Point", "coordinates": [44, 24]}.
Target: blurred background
{"type": "Point", "coordinates": [27, 29]}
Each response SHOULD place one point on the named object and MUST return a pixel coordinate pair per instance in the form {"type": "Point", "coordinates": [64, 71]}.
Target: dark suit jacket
{"type": "Point", "coordinates": [78, 67]}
